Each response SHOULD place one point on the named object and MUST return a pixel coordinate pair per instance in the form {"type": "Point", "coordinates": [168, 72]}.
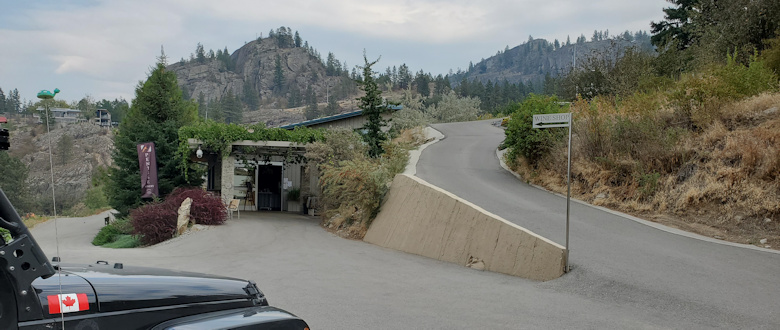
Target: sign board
{"type": "Point", "coordinates": [560, 120]}
{"type": "Point", "coordinates": [147, 161]}
{"type": "Point", "coordinates": [552, 120]}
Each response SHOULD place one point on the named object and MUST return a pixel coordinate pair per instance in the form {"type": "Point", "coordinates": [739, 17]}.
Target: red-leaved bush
{"type": "Point", "coordinates": [206, 209]}
{"type": "Point", "coordinates": [154, 223]}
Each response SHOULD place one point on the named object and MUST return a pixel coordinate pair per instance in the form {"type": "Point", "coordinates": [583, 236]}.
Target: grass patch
{"type": "Point", "coordinates": [124, 242]}
{"type": "Point", "coordinates": [31, 220]}
{"type": "Point", "coordinates": [117, 234]}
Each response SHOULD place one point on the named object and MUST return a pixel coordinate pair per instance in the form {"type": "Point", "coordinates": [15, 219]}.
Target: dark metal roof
{"type": "Point", "coordinates": [334, 118]}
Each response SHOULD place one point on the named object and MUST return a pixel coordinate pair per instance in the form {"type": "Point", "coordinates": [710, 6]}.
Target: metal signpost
{"type": "Point", "coordinates": [560, 120]}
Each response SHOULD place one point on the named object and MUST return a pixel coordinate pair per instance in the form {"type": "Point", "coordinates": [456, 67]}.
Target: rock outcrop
{"type": "Point", "coordinates": [255, 64]}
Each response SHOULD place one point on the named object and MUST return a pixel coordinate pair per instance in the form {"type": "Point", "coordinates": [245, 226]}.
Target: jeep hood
{"type": "Point", "coordinates": [111, 289]}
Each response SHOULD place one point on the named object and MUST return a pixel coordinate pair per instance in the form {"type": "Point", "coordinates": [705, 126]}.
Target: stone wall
{"type": "Point", "coordinates": [423, 219]}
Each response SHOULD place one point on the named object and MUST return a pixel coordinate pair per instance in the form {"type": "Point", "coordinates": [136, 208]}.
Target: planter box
{"type": "Point", "coordinates": [294, 206]}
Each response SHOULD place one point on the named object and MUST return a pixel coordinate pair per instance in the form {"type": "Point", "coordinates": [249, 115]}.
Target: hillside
{"type": "Point", "coordinates": [85, 148]}
{"type": "Point", "coordinates": [263, 74]}
{"type": "Point", "coordinates": [533, 60]}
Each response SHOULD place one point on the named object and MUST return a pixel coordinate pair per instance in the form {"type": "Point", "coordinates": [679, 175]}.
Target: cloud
{"type": "Point", "coordinates": [431, 21]}
{"type": "Point", "coordinates": [101, 45]}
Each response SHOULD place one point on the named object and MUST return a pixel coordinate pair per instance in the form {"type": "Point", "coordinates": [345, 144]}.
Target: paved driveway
{"type": "Point", "coordinates": [660, 281]}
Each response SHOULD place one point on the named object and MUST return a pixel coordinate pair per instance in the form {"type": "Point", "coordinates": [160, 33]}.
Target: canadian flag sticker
{"type": "Point", "coordinates": [68, 303]}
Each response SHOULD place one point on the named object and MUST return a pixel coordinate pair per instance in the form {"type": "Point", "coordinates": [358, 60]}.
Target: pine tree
{"type": "Point", "coordinates": [13, 181]}
{"type": "Point", "coordinates": [330, 65]}
{"type": "Point", "coordinates": [311, 111]}
{"type": "Point", "coordinates": [373, 107]}
{"type": "Point", "coordinates": [200, 54]}
{"type": "Point", "coordinates": [294, 100]}
{"type": "Point", "coordinates": [2, 101]}
{"type": "Point", "coordinates": [231, 108]}
{"type": "Point", "coordinates": [157, 113]}
{"type": "Point", "coordinates": [332, 108]}
{"type": "Point", "coordinates": [404, 76]}
{"type": "Point", "coordinates": [278, 76]}
{"type": "Point", "coordinates": [250, 97]}
{"type": "Point", "coordinates": [13, 102]}
{"type": "Point", "coordinates": [298, 39]}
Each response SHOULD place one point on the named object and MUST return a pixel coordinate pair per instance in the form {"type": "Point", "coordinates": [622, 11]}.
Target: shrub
{"type": "Point", "coordinates": [6, 235]}
{"type": "Point", "coordinates": [354, 189]}
{"type": "Point", "coordinates": [698, 98]}
{"type": "Point", "coordinates": [294, 194]}
{"type": "Point", "coordinates": [124, 242]}
{"type": "Point", "coordinates": [206, 209]}
{"type": "Point", "coordinates": [154, 222]}
{"type": "Point", "coordinates": [107, 234]}
{"type": "Point", "coordinates": [522, 139]}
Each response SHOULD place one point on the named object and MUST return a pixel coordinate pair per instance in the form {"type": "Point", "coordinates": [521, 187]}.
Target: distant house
{"type": "Point", "coordinates": [353, 120]}
{"type": "Point", "coordinates": [63, 115]}
{"type": "Point", "coordinates": [102, 118]}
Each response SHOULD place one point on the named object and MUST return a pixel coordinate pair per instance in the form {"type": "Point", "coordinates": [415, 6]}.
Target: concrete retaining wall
{"type": "Point", "coordinates": [420, 218]}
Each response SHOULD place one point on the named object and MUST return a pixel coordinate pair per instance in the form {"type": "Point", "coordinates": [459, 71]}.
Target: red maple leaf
{"type": "Point", "coordinates": [68, 301]}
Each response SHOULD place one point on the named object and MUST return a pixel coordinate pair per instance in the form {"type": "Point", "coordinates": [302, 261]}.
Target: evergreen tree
{"type": "Point", "coordinates": [64, 149]}
{"type": "Point", "coordinates": [14, 181]}
{"type": "Point", "coordinates": [295, 99]}
{"type": "Point", "coordinates": [278, 76]}
{"type": "Point", "coordinates": [13, 103]}
{"type": "Point", "coordinates": [332, 108]}
{"type": "Point", "coordinates": [311, 111]}
{"type": "Point", "coordinates": [422, 81]}
{"type": "Point", "coordinates": [298, 39]}
{"type": "Point", "coordinates": [373, 107]}
{"type": "Point", "coordinates": [231, 108]}
{"type": "Point", "coordinates": [2, 101]}
{"type": "Point", "coordinates": [250, 97]}
{"type": "Point", "coordinates": [676, 26]}
{"type": "Point", "coordinates": [404, 76]}
{"type": "Point", "coordinates": [157, 113]}
{"type": "Point", "coordinates": [120, 109]}
{"type": "Point", "coordinates": [330, 65]}
{"type": "Point", "coordinates": [200, 54]}
{"type": "Point", "coordinates": [202, 105]}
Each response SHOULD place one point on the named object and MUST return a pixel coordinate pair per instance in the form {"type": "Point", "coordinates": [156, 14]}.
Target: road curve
{"type": "Point", "coordinates": [617, 261]}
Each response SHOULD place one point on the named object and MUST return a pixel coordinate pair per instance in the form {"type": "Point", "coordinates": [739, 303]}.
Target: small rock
{"type": "Point", "coordinates": [767, 220]}
{"type": "Point", "coordinates": [767, 246]}
{"type": "Point", "coordinates": [738, 218]}
{"type": "Point", "coordinates": [770, 111]}
{"type": "Point", "coordinates": [718, 237]}
{"type": "Point", "coordinates": [601, 196]}
{"type": "Point", "coordinates": [475, 263]}
{"type": "Point", "coordinates": [763, 241]}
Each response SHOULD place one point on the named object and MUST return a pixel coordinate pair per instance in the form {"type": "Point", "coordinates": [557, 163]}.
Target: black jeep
{"type": "Point", "coordinates": [38, 294]}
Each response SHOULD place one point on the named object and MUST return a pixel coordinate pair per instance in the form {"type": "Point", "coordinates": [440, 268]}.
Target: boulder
{"type": "Point", "coordinates": [184, 216]}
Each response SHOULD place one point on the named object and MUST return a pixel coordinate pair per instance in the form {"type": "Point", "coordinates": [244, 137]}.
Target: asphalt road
{"type": "Point", "coordinates": [627, 275]}
{"type": "Point", "coordinates": [618, 262]}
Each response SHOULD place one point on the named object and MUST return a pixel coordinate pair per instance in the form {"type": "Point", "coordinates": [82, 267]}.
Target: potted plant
{"type": "Point", "coordinates": [294, 200]}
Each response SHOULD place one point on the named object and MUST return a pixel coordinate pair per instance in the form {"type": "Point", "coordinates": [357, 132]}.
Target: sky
{"type": "Point", "coordinates": [102, 48]}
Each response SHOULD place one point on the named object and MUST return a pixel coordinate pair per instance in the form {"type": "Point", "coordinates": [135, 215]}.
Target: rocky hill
{"type": "Point", "coordinates": [532, 60]}
{"type": "Point", "coordinates": [78, 150]}
{"type": "Point", "coordinates": [253, 70]}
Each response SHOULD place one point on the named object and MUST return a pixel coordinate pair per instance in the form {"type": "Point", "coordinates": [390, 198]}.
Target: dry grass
{"type": "Point", "coordinates": [722, 181]}
{"type": "Point", "coordinates": [31, 220]}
